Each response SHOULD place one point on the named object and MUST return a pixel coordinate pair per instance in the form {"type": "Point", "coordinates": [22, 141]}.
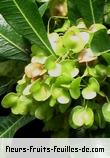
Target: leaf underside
{"type": "Point", "coordinates": [12, 45]}
{"type": "Point", "coordinates": [10, 124]}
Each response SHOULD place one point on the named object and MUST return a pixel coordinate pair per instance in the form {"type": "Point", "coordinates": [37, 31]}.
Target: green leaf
{"type": "Point", "coordinates": [100, 42]}
{"type": "Point", "coordinates": [12, 45]}
{"type": "Point", "coordinates": [10, 124]}
{"type": "Point", "coordinates": [91, 11]}
{"type": "Point", "coordinates": [73, 12]}
{"type": "Point", "coordinates": [12, 68]}
{"type": "Point", "coordinates": [10, 72]}
{"type": "Point", "coordinates": [43, 8]}
{"type": "Point", "coordinates": [5, 84]}
{"type": "Point", "coordinates": [75, 88]}
{"type": "Point", "coordinates": [106, 57]}
{"type": "Point", "coordinates": [24, 16]}
{"type": "Point", "coordinates": [41, 1]}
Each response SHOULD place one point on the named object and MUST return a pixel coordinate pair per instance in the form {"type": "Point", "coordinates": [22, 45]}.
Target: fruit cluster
{"type": "Point", "coordinates": [71, 81]}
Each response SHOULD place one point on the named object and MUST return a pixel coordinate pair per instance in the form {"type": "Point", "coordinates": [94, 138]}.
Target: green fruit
{"type": "Point", "coordinates": [81, 116]}
{"type": "Point", "coordinates": [37, 51]}
{"type": "Point", "coordinates": [87, 93]}
{"type": "Point", "coordinates": [26, 90]}
{"type": "Point", "coordinates": [101, 70]}
{"type": "Point", "coordinates": [81, 24]}
{"type": "Point", "coordinates": [23, 105]}
{"type": "Point", "coordinates": [64, 98]}
{"type": "Point", "coordinates": [20, 88]}
{"type": "Point", "coordinates": [75, 88]}
{"type": "Point", "coordinates": [60, 94]}
{"type": "Point", "coordinates": [76, 117]}
{"type": "Point", "coordinates": [69, 68]}
{"type": "Point", "coordinates": [91, 72]}
{"type": "Point", "coordinates": [88, 117]}
{"type": "Point", "coordinates": [22, 84]}
{"type": "Point", "coordinates": [73, 40]}
{"type": "Point", "coordinates": [39, 59]}
{"type": "Point", "coordinates": [54, 68]}
{"type": "Point", "coordinates": [63, 80]}
{"type": "Point", "coordinates": [94, 85]}
{"type": "Point", "coordinates": [53, 38]}
{"type": "Point", "coordinates": [38, 55]}
{"type": "Point", "coordinates": [50, 62]}
{"type": "Point", "coordinates": [96, 27]}
{"type": "Point", "coordinates": [106, 111]}
{"type": "Point", "coordinates": [57, 44]}
{"type": "Point", "coordinates": [60, 49]}
{"type": "Point", "coordinates": [56, 71]}
{"type": "Point", "coordinates": [9, 100]}
{"type": "Point", "coordinates": [85, 36]}
{"type": "Point", "coordinates": [92, 89]}
{"type": "Point", "coordinates": [40, 91]}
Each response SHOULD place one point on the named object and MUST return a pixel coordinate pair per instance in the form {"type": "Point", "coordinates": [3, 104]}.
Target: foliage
{"type": "Point", "coordinates": [66, 83]}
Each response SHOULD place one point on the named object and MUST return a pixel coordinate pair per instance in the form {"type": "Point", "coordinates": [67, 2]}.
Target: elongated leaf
{"type": "Point", "coordinates": [12, 68]}
{"type": "Point", "coordinates": [106, 56]}
{"type": "Point", "coordinates": [43, 8]}
{"type": "Point", "coordinates": [24, 16]}
{"type": "Point", "coordinates": [5, 84]}
{"type": "Point", "coordinates": [73, 12]}
{"type": "Point", "coordinates": [100, 42]}
{"type": "Point", "coordinates": [10, 72]}
{"type": "Point", "coordinates": [91, 10]}
{"type": "Point", "coordinates": [10, 124]}
{"type": "Point", "coordinates": [12, 45]}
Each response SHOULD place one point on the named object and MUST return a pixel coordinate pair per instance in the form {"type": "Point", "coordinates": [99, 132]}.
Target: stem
{"type": "Point", "coordinates": [107, 99]}
{"type": "Point", "coordinates": [92, 11]}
